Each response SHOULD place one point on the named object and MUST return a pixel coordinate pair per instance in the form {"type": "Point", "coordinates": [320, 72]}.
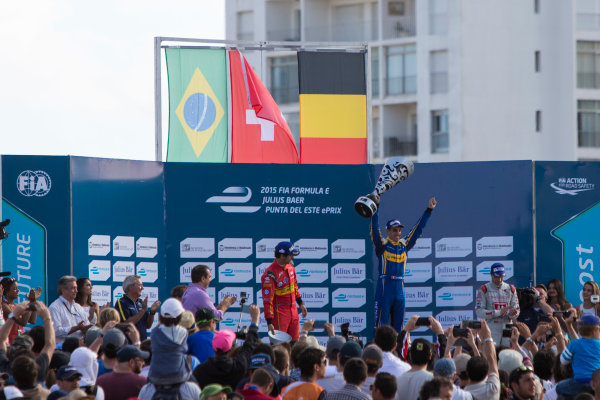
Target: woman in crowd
{"type": "Point", "coordinates": [84, 299]}
{"type": "Point", "coordinates": [10, 289]}
{"type": "Point", "coordinates": [556, 296]}
{"type": "Point", "coordinates": [590, 288]}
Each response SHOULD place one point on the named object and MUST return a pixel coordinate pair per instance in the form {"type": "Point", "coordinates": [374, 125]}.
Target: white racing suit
{"type": "Point", "coordinates": [490, 301]}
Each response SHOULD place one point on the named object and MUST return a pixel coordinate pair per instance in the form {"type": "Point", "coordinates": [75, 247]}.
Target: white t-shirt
{"type": "Point", "coordinates": [409, 384]}
{"type": "Point", "coordinates": [393, 365]}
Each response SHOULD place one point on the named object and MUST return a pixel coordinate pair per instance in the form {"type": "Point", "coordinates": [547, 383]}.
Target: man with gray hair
{"type": "Point", "coordinates": [69, 317]}
{"type": "Point", "coordinates": [133, 309]}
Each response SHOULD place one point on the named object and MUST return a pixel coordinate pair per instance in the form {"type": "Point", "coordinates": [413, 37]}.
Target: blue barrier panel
{"type": "Point", "coordinates": [568, 224]}
{"type": "Point", "coordinates": [35, 196]}
{"type": "Point", "coordinates": [119, 225]}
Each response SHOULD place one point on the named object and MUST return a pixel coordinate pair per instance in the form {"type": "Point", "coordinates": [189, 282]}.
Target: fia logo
{"type": "Point", "coordinates": [235, 195]}
{"type": "Point", "coordinates": [34, 183]}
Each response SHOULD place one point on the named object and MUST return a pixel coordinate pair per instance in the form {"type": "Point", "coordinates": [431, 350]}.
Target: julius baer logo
{"type": "Point", "coordinates": [234, 200]}
{"type": "Point", "coordinates": [34, 183]}
{"type": "Point", "coordinates": [572, 186]}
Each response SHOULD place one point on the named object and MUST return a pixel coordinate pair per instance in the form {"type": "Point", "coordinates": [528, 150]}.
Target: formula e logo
{"type": "Point", "coordinates": [237, 194]}
{"type": "Point", "coordinates": [572, 186]}
{"type": "Point", "coordinates": [34, 183]}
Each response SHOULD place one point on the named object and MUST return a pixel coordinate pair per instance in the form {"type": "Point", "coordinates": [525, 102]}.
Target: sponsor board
{"type": "Point", "coordinates": [417, 272]}
{"type": "Point", "coordinates": [347, 273]}
{"type": "Point", "coordinates": [235, 291]}
{"type": "Point", "coordinates": [453, 247]}
{"type": "Point", "coordinates": [235, 247]}
{"type": "Point", "coordinates": [211, 291]}
{"type": "Point", "coordinates": [312, 272]}
{"type": "Point", "coordinates": [148, 271]}
{"type": "Point", "coordinates": [231, 319]}
{"type": "Point", "coordinates": [417, 296]}
{"type": "Point", "coordinates": [152, 294]}
{"type": "Point", "coordinates": [348, 249]}
{"type": "Point", "coordinates": [315, 297]}
{"type": "Point", "coordinates": [99, 245]}
{"type": "Point", "coordinates": [409, 314]}
{"type": "Point", "coordinates": [265, 248]}
{"type": "Point", "coordinates": [123, 246]}
{"type": "Point", "coordinates": [454, 317]}
{"type": "Point", "coordinates": [315, 316]}
{"type": "Point", "coordinates": [357, 320]}
{"type": "Point", "coordinates": [122, 269]}
{"type": "Point", "coordinates": [311, 248]}
{"type": "Point", "coordinates": [260, 269]}
{"type": "Point", "coordinates": [185, 271]}
{"type": "Point", "coordinates": [483, 270]}
{"type": "Point", "coordinates": [117, 294]}
{"type": "Point", "coordinates": [99, 270]}
{"type": "Point", "coordinates": [454, 296]}
{"type": "Point", "coordinates": [421, 249]}
{"type": "Point", "coordinates": [197, 247]}
{"type": "Point", "coordinates": [349, 297]}
{"type": "Point", "coordinates": [493, 246]}
{"type": "Point", "coordinates": [101, 294]}
{"type": "Point", "coordinates": [235, 272]}
{"type": "Point", "coordinates": [454, 271]}
{"type": "Point", "coordinates": [146, 247]}
{"type": "Point", "coordinates": [34, 183]}
{"type": "Point", "coordinates": [259, 299]}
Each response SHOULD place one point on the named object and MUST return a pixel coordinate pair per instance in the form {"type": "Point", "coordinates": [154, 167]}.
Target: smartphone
{"type": "Point", "coordinates": [506, 332]}
{"type": "Point", "coordinates": [460, 332]}
{"type": "Point", "coordinates": [319, 324]}
{"type": "Point", "coordinates": [471, 324]}
{"type": "Point", "coordinates": [565, 314]}
{"type": "Point", "coordinates": [544, 318]}
{"type": "Point", "coordinates": [510, 326]}
{"type": "Point", "coordinates": [595, 298]}
{"type": "Point", "coordinates": [122, 327]}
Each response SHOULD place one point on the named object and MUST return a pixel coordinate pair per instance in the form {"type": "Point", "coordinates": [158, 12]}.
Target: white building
{"type": "Point", "coordinates": [452, 80]}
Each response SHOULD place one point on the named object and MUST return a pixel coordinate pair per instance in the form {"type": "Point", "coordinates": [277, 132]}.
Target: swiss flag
{"type": "Point", "coordinates": [259, 133]}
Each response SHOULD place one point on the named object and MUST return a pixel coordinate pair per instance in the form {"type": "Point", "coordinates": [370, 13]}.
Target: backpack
{"type": "Point", "coordinates": [167, 392]}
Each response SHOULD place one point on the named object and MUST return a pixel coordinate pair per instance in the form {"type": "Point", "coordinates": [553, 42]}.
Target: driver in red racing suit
{"type": "Point", "coordinates": [280, 292]}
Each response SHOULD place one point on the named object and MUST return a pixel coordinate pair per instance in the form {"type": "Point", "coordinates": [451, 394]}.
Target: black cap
{"type": "Point", "coordinates": [66, 372]}
{"type": "Point", "coordinates": [128, 352]}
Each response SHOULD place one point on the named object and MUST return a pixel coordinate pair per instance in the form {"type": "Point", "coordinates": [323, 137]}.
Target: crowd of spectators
{"type": "Point", "coordinates": [80, 350]}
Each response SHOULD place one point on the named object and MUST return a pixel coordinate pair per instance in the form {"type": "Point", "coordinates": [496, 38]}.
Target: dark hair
{"type": "Point", "coordinates": [433, 387]}
{"type": "Point", "coordinates": [517, 373]}
{"type": "Point", "coordinates": [7, 283]}
{"type": "Point", "coordinates": [355, 371]}
{"type": "Point", "coordinates": [420, 352]}
{"type": "Point", "coordinates": [543, 361]}
{"type": "Point", "coordinates": [265, 349]}
{"type": "Point", "coordinates": [308, 359]}
{"type": "Point", "coordinates": [587, 330]}
{"type": "Point", "coordinates": [561, 371]}
{"type": "Point", "coordinates": [178, 291]}
{"type": "Point", "coordinates": [24, 371]}
{"type": "Point", "coordinates": [79, 295]}
{"type": "Point", "coordinates": [281, 358]}
{"type": "Point", "coordinates": [560, 296]}
{"type": "Point", "coordinates": [146, 345]}
{"type": "Point", "coordinates": [261, 377]}
{"type": "Point", "coordinates": [39, 338]}
{"type": "Point", "coordinates": [477, 369]}
{"type": "Point", "coordinates": [542, 286]}
{"type": "Point", "coordinates": [584, 396]}
{"type": "Point", "coordinates": [385, 338]}
{"type": "Point", "coordinates": [198, 272]}
{"type": "Point", "coordinates": [297, 349]}
{"type": "Point", "coordinates": [168, 321]}
{"type": "Point", "coordinates": [386, 383]}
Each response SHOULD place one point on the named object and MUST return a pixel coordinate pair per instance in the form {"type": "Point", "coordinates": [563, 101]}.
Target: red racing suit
{"type": "Point", "coordinates": [280, 295]}
{"type": "Point", "coordinates": [490, 301]}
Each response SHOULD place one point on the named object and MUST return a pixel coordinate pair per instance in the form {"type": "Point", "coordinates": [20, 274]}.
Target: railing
{"type": "Point", "coordinates": [588, 21]}
{"type": "Point", "coordinates": [290, 34]}
{"type": "Point", "coordinates": [401, 85]}
{"type": "Point", "coordinates": [396, 147]}
{"type": "Point", "coordinates": [348, 32]}
{"type": "Point", "coordinates": [588, 80]}
{"type": "Point", "coordinates": [400, 27]}
{"type": "Point", "coordinates": [438, 82]}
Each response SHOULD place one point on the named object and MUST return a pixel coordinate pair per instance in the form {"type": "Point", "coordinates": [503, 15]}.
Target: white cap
{"type": "Point", "coordinates": [171, 308]}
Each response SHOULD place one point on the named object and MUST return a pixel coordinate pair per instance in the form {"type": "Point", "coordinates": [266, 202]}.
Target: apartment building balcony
{"type": "Point", "coordinates": [284, 35]}
{"type": "Point", "coordinates": [393, 146]}
{"type": "Point", "coordinates": [360, 31]}
{"type": "Point", "coordinates": [400, 27]}
{"type": "Point", "coordinates": [395, 86]}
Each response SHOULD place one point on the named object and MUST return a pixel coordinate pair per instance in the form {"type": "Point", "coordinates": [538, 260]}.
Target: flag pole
{"type": "Point", "coordinates": [157, 99]}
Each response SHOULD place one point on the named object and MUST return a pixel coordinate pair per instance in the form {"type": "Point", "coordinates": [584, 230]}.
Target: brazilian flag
{"type": "Point", "coordinates": [197, 105]}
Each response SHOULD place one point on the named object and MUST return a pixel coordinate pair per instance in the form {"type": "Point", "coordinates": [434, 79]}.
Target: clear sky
{"type": "Point", "coordinates": [77, 77]}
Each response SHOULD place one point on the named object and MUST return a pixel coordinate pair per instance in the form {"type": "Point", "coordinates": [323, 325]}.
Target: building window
{"type": "Point", "coordinates": [588, 123]}
{"type": "Point", "coordinates": [439, 131]}
{"type": "Point", "coordinates": [375, 72]}
{"type": "Point", "coordinates": [284, 79]}
{"type": "Point", "coordinates": [538, 61]}
{"type": "Point", "coordinates": [438, 17]}
{"type": "Point", "coordinates": [401, 70]}
{"type": "Point", "coordinates": [538, 121]}
{"type": "Point", "coordinates": [588, 15]}
{"type": "Point", "coordinates": [348, 23]}
{"type": "Point", "coordinates": [245, 25]}
{"type": "Point", "coordinates": [293, 121]}
{"type": "Point", "coordinates": [588, 65]}
{"type": "Point", "coordinates": [438, 63]}
{"type": "Point", "coordinates": [536, 6]}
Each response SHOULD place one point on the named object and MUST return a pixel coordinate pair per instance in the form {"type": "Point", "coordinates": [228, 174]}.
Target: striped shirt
{"type": "Point", "coordinates": [348, 392]}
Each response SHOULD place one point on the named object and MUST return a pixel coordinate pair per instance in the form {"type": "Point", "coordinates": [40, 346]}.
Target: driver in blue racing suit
{"type": "Point", "coordinates": [391, 252]}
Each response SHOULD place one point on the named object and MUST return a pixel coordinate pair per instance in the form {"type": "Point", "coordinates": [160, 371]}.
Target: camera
{"type": "Point", "coordinates": [506, 332]}
{"type": "Point", "coordinates": [242, 333]}
{"type": "Point", "coordinates": [460, 332]}
{"type": "Point", "coordinates": [595, 298]}
{"type": "Point", "coordinates": [345, 328]}
{"type": "Point", "coordinates": [423, 321]}
{"type": "Point", "coordinates": [3, 232]}
{"type": "Point", "coordinates": [471, 324]}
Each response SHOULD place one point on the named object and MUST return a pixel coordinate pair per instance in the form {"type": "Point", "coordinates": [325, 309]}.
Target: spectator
{"type": "Point", "coordinates": [200, 343]}
{"type": "Point", "coordinates": [384, 387]}
{"type": "Point", "coordinates": [595, 383]}
{"type": "Point", "coordinates": [223, 369]}
{"type": "Point", "coordinates": [59, 358]}
{"type": "Point", "coordinates": [260, 386]}
{"type": "Point", "coordinates": [133, 309]}
{"type": "Point", "coordinates": [355, 374]}
{"type": "Point", "coordinates": [587, 307]}
{"type": "Point", "coordinates": [386, 338]}
{"type": "Point", "coordinates": [108, 314]}
{"type": "Point", "coordinates": [215, 392]}
{"type": "Point", "coordinates": [125, 382]}
{"type": "Point", "coordinates": [522, 383]}
{"type": "Point", "coordinates": [509, 360]}
{"type": "Point", "coordinates": [196, 297]}
{"type": "Point", "coordinates": [556, 296]}
{"type": "Point", "coordinates": [483, 379]}
{"type": "Point", "coordinates": [85, 361]}
{"type": "Point", "coordinates": [261, 358]}
{"type": "Point", "coordinates": [411, 381]}
{"type": "Point", "coordinates": [169, 345]}
{"type": "Point", "coordinates": [113, 340]}
{"type": "Point", "coordinates": [461, 360]}
{"type": "Point", "coordinates": [312, 363]}
{"type": "Point", "coordinates": [147, 347]}
{"type": "Point", "coordinates": [178, 291]}
{"type": "Point", "coordinates": [445, 368]}
{"type": "Point", "coordinates": [583, 355]}
{"type": "Point", "coordinates": [349, 350]}
{"type": "Point", "coordinates": [437, 388]}
{"type": "Point", "coordinates": [84, 299]}
{"type": "Point", "coordinates": [281, 360]}
{"type": "Point", "coordinates": [68, 317]}
{"type": "Point", "coordinates": [373, 357]}
{"type": "Point", "coordinates": [67, 378]}
{"type": "Point", "coordinates": [9, 289]}
{"type": "Point", "coordinates": [543, 361]}
{"type": "Point", "coordinates": [25, 372]}
{"type": "Point", "coordinates": [334, 344]}
{"type": "Point", "coordinates": [297, 349]}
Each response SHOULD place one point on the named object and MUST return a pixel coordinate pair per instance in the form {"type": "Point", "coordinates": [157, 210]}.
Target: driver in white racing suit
{"type": "Point", "coordinates": [497, 302]}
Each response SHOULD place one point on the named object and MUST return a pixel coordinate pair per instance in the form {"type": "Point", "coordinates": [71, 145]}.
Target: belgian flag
{"type": "Point", "coordinates": [333, 107]}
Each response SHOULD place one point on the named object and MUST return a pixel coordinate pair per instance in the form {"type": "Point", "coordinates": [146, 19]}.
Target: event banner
{"type": "Point", "coordinates": [230, 217]}
{"type": "Point", "coordinates": [35, 197]}
{"type": "Point", "coordinates": [568, 224]}
{"type": "Point", "coordinates": [118, 226]}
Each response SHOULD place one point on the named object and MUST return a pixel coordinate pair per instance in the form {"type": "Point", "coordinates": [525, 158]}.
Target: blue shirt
{"type": "Point", "coordinates": [127, 308]}
{"type": "Point", "coordinates": [583, 354]}
{"type": "Point", "coordinates": [200, 345]}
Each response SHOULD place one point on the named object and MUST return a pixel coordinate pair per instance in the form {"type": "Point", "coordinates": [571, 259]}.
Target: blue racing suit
{"type": "Point", "coordinates": [389, 295]}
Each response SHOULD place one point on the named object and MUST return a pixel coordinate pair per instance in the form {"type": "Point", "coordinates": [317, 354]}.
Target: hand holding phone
{"type": "Point", "coordinates": [319, 324]}
{"type": "Point", "coordinates": [423, 321]}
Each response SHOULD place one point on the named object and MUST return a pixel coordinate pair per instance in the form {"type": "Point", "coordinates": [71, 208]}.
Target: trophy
{"type": "Point", "coordinates": [394, 171]}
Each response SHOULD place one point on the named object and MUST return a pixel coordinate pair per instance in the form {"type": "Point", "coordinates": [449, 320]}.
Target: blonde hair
{"type": "Point", "coordinates": [108, 314]}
